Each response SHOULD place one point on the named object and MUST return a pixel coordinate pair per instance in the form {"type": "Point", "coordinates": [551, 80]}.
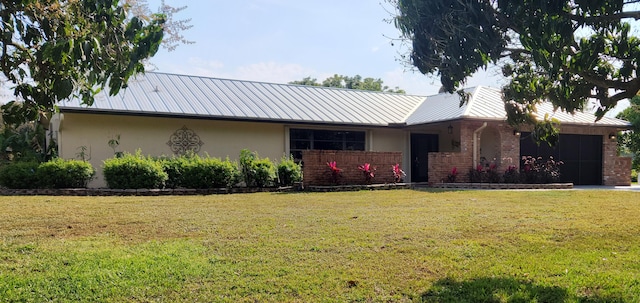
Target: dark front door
{"type": "Point", "coordinates": [421, 146]}
{"type": "Point", "coordinates": [581, 154]}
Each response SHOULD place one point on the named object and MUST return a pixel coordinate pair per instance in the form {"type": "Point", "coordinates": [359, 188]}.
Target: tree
{"type": "Point", "coordinates": [306, 81]}
{"type": "Point", "coordinates": [52, 50]}
{"type": "Point", "coordinates": [564, 51]}
{"type": "Point", "coordinates": [355, 82]}
{"type": "Point", "coordinates": [630, 140]}
{"type": "Point", "coordinates": [173, 28]}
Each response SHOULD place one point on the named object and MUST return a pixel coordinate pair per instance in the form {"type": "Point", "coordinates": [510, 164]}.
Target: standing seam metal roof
{"type": "Point", "coordinates": [180, 95]}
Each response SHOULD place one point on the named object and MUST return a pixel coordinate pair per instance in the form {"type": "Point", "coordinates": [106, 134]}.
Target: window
{"type": "Point", "coordinates": [303, 139]}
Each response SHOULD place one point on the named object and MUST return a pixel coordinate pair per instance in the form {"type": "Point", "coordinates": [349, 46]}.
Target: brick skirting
{"type": "Point", "coordinates": [316, 171]}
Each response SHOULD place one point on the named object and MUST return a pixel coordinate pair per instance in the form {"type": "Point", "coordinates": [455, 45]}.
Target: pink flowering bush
{"type": "Point", "coordinates": [368, 172]}
{"type": "Point", "coordinates": [451, 177]}
{"type": "Point", "coordinates": [511, 175]}
{"type": "Point", "coordinates": [485, 173]}
{"type": "Point", "coordinates": [334, 171]}
{"type": "Point", "coordinates": [537, 170]}
{"type": "Point", "coordinates": [398, 174]}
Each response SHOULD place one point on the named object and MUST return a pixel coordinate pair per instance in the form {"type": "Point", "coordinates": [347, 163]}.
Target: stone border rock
{"type": "Point", "coordinates": [502, 186]}
{"type": "Point", "coordinates": [136, 192]}
{"type": "Point", "coordinates": [238, 190]}
{"type": "Point", "coordinates": [388, 186]}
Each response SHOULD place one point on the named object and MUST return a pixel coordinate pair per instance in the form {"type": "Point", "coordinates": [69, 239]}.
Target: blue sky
{"type": "Point", "coordinates": [285, 40]}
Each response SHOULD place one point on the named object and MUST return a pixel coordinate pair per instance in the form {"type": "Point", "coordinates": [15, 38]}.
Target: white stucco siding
{"type": "Point", "coordinates": [388, 140]}
{"type": "Point", "coordinates": [151, 134]}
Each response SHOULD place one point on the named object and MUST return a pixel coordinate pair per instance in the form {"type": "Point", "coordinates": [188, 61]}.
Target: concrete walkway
{"type": "Point", "coordinates": [634, 187]}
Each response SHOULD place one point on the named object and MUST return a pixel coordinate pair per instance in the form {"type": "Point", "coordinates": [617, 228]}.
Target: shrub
{"type": "Point", "coordinates": [484, 172]}
{"type": "Point", "coordinates": [399, 174]}
{"type": "Point", "coordinates": [60, 173]}
{"type": "Point", "coordinates": [19, 175]}
{"type": "Point", "coordinates": [289, 171]}
{"type": "Point", "coordinates": [173, 167]}
{"type": "Point", "coordinates": [255, 171]}
{"type": "Point", "coordinates": [368, 172]}
{"type": "Point", "coordinates": [134, 171]}
{"type": "Point", "coordinates": [475, 174]}
{"type": "Point", "coordinates": [536, 170]}
{"type": "Point", "coordinates": [634, 175]}
{"type": "Point", "coordinates": [334, 172]}
{"type": "Point", "coordinates": [511, 175]}
{"type": "Point", "coordinates": [246, 167]}
{"type": "Point", "coordinates": [453, 175]}
{"type": "Point", "coordinates": [491, 173]}
{"type": "Point", "coordinates": [265, 172]}
{"type": "Point", "coordinates": [198, 172]}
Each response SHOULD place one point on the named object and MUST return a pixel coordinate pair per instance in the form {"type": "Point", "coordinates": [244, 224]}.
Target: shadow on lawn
{"type": "Point", "coordinates": [502, 290]}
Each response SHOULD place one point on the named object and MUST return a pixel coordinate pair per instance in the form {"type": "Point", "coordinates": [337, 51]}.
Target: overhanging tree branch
{"type": "Point", "coordinates": [606, 18]}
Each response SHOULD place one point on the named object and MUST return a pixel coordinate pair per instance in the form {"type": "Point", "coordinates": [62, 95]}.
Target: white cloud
{"type": "Point", "coordinates": [214, 64]}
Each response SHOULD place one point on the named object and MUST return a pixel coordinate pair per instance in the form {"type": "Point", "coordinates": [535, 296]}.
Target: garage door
{"type": "Point", "coordinates": [581, 154]}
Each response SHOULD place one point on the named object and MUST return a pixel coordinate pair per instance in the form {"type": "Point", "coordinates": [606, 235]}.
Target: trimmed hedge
{"type": "Point", "coordinates": [193, 171]}
{"type": "Point", "coordinates": [173, 167]}
{"type": "Point", "coordinates": [198, 172]}
{"type": "Point", "coordinates": [289, 171]}
{"type": "Point", "coordinates": [56, 173]}
{"type": "Point", "coordinates": [60, 173]}
{"type": "Point", "coordinates": [133, 172]}
{"type": "Point", "coordinates": [19, 175]}
{"type": "Point", "coordinates": [255, 171]}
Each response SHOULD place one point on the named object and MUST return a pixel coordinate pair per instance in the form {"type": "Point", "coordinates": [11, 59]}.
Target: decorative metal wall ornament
{"type": "Point", "coordinates": [184, 140]}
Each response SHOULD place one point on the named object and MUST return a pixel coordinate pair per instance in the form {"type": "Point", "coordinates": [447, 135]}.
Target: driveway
{"type": "Point", "coordinates": [634, 187]}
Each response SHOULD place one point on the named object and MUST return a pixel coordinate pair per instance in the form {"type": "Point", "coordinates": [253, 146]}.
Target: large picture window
{"type": "Point", "coordinates": [303, 139]}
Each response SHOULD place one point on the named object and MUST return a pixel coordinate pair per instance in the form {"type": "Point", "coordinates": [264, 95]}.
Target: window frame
{"type": "Point", "coordinates": [342, 139]}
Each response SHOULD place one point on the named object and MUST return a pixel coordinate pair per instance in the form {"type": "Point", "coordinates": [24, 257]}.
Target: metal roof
{"type": "Point", "coordinates": [486, 103]}
{"type": "Point", "coordinates": [192, 96]}
{"type": "Point", "coordinates": [212, 98]}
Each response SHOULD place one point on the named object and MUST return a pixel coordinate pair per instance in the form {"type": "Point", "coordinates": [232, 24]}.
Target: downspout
{"type": "Point", "coordinates": [475, 144]}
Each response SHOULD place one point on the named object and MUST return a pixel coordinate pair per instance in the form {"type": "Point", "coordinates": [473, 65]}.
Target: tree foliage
{"type": "Point", "coordinates": [52, 50]}
{"type": "Point", "coordinates": [630, 140]}
{"type": "Point", "coordinates": [355, 82]}
{"type": "Point", "coordinates": [173, 28]}
{"type": "Point", "coordinates": [565, 51]}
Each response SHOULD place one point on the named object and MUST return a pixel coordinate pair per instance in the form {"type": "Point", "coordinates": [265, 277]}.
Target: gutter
{"type": "Point", "coordinates": [475, 144]}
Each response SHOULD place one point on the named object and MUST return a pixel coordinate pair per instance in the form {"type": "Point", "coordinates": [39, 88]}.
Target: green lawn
{"type": "Point", "coordinates": [369, 246]}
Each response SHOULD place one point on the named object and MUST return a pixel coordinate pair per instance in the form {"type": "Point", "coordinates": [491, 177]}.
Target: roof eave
{"type": "Point", "coordinates": [91, 111]}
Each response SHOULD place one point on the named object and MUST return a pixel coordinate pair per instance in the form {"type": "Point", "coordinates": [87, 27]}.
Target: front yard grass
{"type": "Point", "coordinates": [369, 246]}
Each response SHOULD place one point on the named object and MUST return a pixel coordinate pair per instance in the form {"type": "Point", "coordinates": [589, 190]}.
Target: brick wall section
{"type": "Point", "coordinates": [440, 164]}
{"type": "Point", "coordinates": [620, 173]}
{"type": "Point", "coordinates": [316, 171]}
{"type": "Point", "coordinates": [615, 170]}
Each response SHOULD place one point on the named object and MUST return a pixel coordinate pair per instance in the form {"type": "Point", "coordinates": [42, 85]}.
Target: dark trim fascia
{"type": "Point", "coordinates": [213, 118]}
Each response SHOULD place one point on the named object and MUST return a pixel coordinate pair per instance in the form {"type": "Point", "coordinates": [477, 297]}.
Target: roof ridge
{"type": "Point", "coordinates": [413, 110]}
{"type": "Point", "coordinates": [283, 84]}
{"type": "Point", "coordinates": [470, 102]}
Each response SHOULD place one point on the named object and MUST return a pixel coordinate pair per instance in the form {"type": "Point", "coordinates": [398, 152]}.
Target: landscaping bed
{"type": "Point", "coordinates": [503, 186]}
{"type": "Point", "coordinates": [239, 190]}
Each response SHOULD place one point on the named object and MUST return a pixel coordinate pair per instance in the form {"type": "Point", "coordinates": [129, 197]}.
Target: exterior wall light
{"type": "Point", "coordinates": [516, 132]}
{"type": "Point", "coordinates": [612, 136]}
{"type": "Point", "coordinates": [450, 129]}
